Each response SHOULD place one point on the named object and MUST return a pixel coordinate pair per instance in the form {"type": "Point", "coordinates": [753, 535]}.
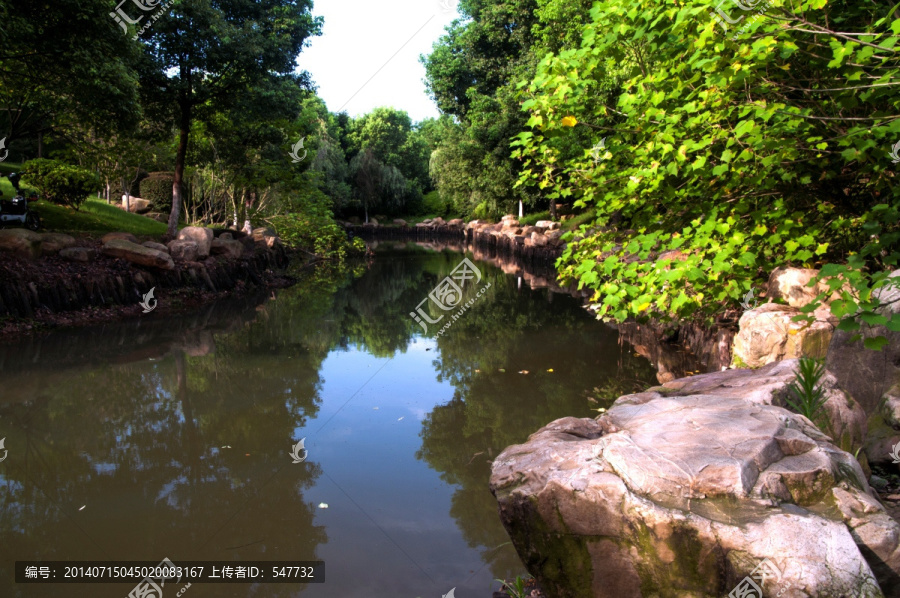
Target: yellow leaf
{"type": "Point", "coordinates": [569, 121]}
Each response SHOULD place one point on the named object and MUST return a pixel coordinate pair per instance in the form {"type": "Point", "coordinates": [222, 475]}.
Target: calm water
{"type": "Point", "coordinates": [170, 437]}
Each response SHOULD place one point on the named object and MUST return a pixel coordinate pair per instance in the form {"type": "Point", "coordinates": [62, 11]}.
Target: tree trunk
{"type": "Point", "coordinates": [184, 130]}
{"type": "Point", "coordinates": [553, 209]}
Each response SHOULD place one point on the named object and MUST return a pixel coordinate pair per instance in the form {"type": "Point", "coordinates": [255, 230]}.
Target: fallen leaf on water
{"type": "Point", "coordinates": [592, 399]}
{"type": "Point", "coordinates": [502, 371]}
{"type": "Point", "coordinates": [323, 505]}
{"type": "Point", "coordinates": [246, 454]}
{"type": "Point", "coordinates": [82, 507]}
{"type": "Point", "coordinates": [550, 370]}
{"type": "Point", "coordinates": [523, 371]}
{"type": "Point", "coordinates": [400, 419]}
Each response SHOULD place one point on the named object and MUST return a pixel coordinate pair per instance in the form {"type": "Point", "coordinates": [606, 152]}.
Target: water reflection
{"type": "Point", "coordinates": [157, 439]}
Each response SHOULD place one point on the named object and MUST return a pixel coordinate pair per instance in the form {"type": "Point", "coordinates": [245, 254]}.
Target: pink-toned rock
{"type": "Point", "coordinates": [53, 243]}
{"type": "Point", "coordinates": [138, 254]}
{"type": "Point", "coordinates": [21, 241]}
{"type": "Point", "coordinates": [199, 235]}
{"type": "Point", "coordinates": [229, 248]}
{"type": "Point", "coordinates": [184, 250]}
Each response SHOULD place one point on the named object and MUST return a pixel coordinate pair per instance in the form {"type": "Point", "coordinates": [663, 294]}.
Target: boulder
{"type": "Point", "coordinates": [792, 286]}
{"type": "Point", "coordinates": [688, 496]}
{"type": "Point", "coordinates": [476, 224]}
{"type": "Point", "coordinates": [158, 216]}
{"type": "Point", "coordinates": [844, 421]}
{"type": "Point", "coordinates": [438, 221]}
{"type": "Point", "coordinates": [184, 250]}
{"type": "Point", "coordinates": [78, 254]}
{"type": "Point", "coordinates": [200, 235]}
{"type": "Point", "coordinates": [767, 334]}
{"type": "Point", "coordinates": [156, 246]}
{"type": "Point", "coordinates": [53, 243]}
{"type": "Point", "coordinates": [547, 224]}
{"type": "Point", "coordinates": [226, 237]}
{"type": "Point", "coordinates": [423, 224]}
{"type": "Point", "coordinates": [873, 377]}
{"type": "Point", "coordinates": [120, 236]}
{"type": "Point", "coordinates": [508, 217]}
{"type": "Point", "coordinates": [539, 240]}
{"type": "Point", "coordinates": [227, 247]}
{"type": "Point", "coordinates": [21, 241]}
{"type": "Point", "coordinates": [399, 222]}
{"type": "Point", "coordinates": [456, 223]}
{"type": "Point", "coordinates": [138, 254]}
{"type": "Point", "coordinates": [137, 205]}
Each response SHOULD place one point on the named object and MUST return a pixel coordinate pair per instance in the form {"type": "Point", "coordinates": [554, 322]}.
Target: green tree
{"type": "Point", "coordinates": [741, 149]}
{"type": "Point", "coordinates": [213, 54]}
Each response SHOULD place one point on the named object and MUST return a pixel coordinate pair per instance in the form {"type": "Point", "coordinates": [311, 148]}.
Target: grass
{"type": "Point", "coordinates": [95, 217]}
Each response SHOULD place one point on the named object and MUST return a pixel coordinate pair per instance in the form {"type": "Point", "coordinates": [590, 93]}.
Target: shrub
{"type": "Point", "coordinates": [157, 188]}
{"type": "Point", "coordinates": [316, 232]}
{"type": "Point", "coordinates": [61, 183]}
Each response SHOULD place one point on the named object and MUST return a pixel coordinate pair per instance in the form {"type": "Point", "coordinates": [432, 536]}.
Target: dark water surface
{"type": "Point", "coordinates": [170, 437]}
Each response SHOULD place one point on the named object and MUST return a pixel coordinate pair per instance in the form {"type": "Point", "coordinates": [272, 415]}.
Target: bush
{"type": "Point", "coordinates": [432, 204]}
{"type": "Point", "coordinates": [157, 188]}
{"type": "Point", "coordinates": [312, 228]}
{"type": "Point", "coordinates": [61, 183]}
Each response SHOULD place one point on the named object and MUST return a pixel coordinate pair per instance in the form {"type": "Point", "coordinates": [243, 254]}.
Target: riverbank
{"type": "Point", "coordinates": [55, 280]}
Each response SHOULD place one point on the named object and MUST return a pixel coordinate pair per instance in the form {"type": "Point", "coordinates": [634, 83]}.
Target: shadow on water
{"type": "Point", "coordinates": [169, 438]}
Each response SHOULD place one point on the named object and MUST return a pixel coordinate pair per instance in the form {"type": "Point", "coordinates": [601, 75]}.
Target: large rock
{"type": "Point", "coordinates": [21, 241]}
{"type": "Point", "coordinates": [792, 285]}
{"type": "Point", "coordinates": [539, 240]}
{"type": "Point", "coordinates": [399, 222]}
{"type": "Point", "coordinates": [53, 243]}
{"type": "Point", "coordinates": [844, 418]}
{"type": "Point", "coordinates": [120, 236]}
{"type": "Point", "coordinates": [547, 224]}
{"type": "Point", "coordinates": [138, 205]}
{"type": "Point", "coordinates": [873, 377]}
{"type": "Point", "coordinates": [767, 334]}
{"type": "Point", "coordinates": [184, 250]}
{"type": "Point", "coordinates": [154, 245]}
{"type": "Point", "coordinates": [200, 235]}
{"type": "Point", "coordinates": [227, 247]}
{"type": "Point", "coordinates": [686, 496]}
{"type": "Point", "coordinates": [138, 254]}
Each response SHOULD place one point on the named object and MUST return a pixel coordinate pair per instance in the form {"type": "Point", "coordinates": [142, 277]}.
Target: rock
{"type": "Point", "coordinates": [226, 237]}
{"type": "Point", "coordinates": [767, 334]}
{"type": "Point", "coordinates": [158, 216]}
{"type": "Point", "coordinates": [878, 483]}
{"type": "Point", "coordinates": [547, 224]}
{"type": "Point", "coordinates": [845, 422]}
{"type": "Point", "coordinates": [156, 246]}
{"type": "Point", "coordinates": [791, 285]}
{"type": "Point", "coordinates": [78, 254]}
{"type": "Point", "coordinates": [373, 221]}
{"type": "Point", "coordinates": [539, 240]}
{"type": "Point", "coordinates": [872, 377]}
{"type": "Point", "coordinates": [685, 496]}
{"type": "Point", "coordinates": [475, 224]}
{"type": "Point", "coordinates": [437, 221]}
{"type": "Point", "coordinates": [53, 243]}
{"type": "Point", "coordinates": [508, 217]}
{"type": "Point", "coordinates": [21, 241]}
{"type": "Point", "coordinates": [673, 256]}
{"type": "Point", "coordinates": [184, 250]}
{"type": "Point", "coordinates": [137, 205]}
{"type": "Point", "coordinates": [121, 236]}
{"type": "Point", "coordinates": [138, 254]}
{"type": "Point", "coordinates": [423, 224]}
{"type": "Point", "coordinates": [456, 223]}
{"type": "Point", "coordinates": [200, 235]}
{"type": "Point", "coordinates": [400, 222]}
{"type": "Point", "coordinates": [227, 247]}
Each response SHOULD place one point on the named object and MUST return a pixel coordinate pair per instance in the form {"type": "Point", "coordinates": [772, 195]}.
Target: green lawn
{"type": "Point", "coordinates": [94, 217]}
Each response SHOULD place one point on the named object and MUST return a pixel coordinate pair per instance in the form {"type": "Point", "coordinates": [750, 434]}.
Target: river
{"type": "Point", "coordinates": [172, 437]}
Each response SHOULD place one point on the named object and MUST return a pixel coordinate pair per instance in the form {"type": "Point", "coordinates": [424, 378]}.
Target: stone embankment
{"type": "Point", "coordinates": [53, 273]}
{"type": "Point", "coordinates": [540, 244]}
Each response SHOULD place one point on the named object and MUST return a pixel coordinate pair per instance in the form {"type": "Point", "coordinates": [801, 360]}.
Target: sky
{"type": "Point", "coordinates": [360, 37]}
